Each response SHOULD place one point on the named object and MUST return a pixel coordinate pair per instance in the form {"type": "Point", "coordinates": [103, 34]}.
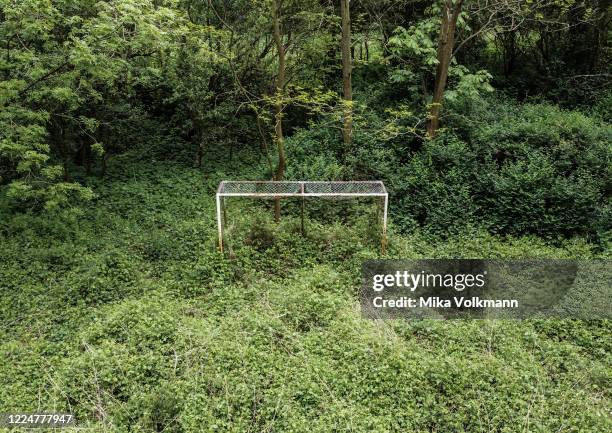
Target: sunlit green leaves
{"type": "Point", "coordinates": [62, 58]}
{"type": "Point", "coordinates": [468, 84]}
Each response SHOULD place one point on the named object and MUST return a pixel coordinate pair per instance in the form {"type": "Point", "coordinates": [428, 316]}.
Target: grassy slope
{"type": "Point", "coordinates": [128, 316]}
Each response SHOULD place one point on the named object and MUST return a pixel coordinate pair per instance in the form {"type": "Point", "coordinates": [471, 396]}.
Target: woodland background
{"type": "Point", "coordinates": [488, 121]}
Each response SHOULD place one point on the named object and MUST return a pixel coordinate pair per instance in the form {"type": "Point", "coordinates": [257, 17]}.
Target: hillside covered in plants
{"type": "Point", "coordinates": [487, 120]}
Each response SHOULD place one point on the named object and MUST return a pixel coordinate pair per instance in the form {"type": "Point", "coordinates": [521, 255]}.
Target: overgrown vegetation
{"type": "Point", "coordinates": [513, 169]}
{"type": "Point", "coordinates": [130, 317]}
{"type": "Point", "coordinates": [489, 122]}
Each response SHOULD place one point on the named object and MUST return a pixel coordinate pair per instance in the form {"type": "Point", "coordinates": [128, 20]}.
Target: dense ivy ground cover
{"type": "Point", "coordinates": [127, 316]}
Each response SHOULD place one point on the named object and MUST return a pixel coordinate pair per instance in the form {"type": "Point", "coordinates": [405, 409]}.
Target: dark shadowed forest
{"type": "Point", "coordinates": [489, 122]}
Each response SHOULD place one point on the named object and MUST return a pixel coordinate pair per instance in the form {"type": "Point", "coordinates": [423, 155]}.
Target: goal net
{"type": "Point", "coordinates": [279, 189]}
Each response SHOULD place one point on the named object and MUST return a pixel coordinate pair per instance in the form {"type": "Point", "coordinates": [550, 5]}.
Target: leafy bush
{"type": "Point", "coordinates": [435, 188]}
{"type": "Point", "coordinates": [542, 170]}
{"type": "Point", "coordinates": [518, 169]}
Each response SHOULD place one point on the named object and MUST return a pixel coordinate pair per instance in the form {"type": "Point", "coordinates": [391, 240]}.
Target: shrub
{"type": "Point", "coordinates": [514, 169]}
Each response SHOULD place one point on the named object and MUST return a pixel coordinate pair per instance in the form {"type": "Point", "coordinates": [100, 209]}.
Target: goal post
{"type": "Point", "coordinates": [303, 189]}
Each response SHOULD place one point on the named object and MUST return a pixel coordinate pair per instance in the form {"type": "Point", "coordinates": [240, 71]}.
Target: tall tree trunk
{"type": "Point", "coordinates": [280, 85]}
{"type": "Point", "coordinates": [264, 144]}
{"type": "Point", "coordinates": [104, 164]}
{"type": "Point", "coordinates": [446, 43]}
{"type": "Point", "coordinates": [347, 86]}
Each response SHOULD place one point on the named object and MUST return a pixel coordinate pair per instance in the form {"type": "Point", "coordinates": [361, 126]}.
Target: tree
{"type": "Point", "coordinates": [70, 73]}
{"type": "Point", "coordinates": [446, 42]}
{"type": "Point", "coordinates": [488, 16]}
{"type": "Point", "coordinates": [347, 86]}
{"type": "Point", "coordinates": [279, 90]}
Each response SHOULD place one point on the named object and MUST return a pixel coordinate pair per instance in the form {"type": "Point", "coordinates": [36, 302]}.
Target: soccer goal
{"type": "Point", "coordinates": [303, 189]}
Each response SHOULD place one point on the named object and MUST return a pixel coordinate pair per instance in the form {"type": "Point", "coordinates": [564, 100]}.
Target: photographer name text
{"type": "Point", "coordinates": [410, 282]}
{"type": "Point", "coordinates": [436, 302]}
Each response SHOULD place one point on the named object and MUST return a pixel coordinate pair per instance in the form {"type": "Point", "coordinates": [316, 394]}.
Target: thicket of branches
{"type": "Point", "coordinates": [85, 81]}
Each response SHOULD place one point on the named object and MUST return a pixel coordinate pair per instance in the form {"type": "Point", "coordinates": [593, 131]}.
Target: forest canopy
{"type": "Point", "coordinates": [504, 102]}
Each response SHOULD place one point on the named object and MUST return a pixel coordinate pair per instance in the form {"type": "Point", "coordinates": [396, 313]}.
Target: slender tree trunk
{"type": "Point", "coordinates": [79, 156]}
{"type": "Point", "coordinates": [446, 43]}
{"type": "Point", "coordinates": [347, 86]}
{"type": "Point", "coordinates": [280, 85]}
{"type": "Point", "coordinates": [264, 144]}
{"type": "Point", "coordinates": [509, 49]}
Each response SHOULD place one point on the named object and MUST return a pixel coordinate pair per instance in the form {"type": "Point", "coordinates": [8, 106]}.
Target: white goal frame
{"type": "Point", "coordinates": [279, 189]}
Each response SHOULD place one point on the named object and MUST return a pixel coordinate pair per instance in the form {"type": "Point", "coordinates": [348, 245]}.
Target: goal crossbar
{"type": "Point", "coordinates": [294, 188]}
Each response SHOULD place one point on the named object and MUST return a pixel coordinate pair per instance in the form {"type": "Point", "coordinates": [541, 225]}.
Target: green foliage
{"type": "Point", "coordinates": [542, 170]}
{"type": "Point", "coordinates": [434, 188]}
{"type": "Point", "coordinates": [33, 181]}
{"type": "Point", "coordinates": [602, 108]}
{"type": "Point", "coordinates": [414, 50]}
{"type": "Point", "coordinates": [514, 169]}
{"type": "Point", "coordinates": [133, 321]}
{"type": "Point", "coordinates": [115, 303]}
{"type": "Point", "coordinates": [69, 70]}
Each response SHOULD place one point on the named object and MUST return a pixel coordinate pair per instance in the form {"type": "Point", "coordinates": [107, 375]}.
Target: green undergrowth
{"type": "Point", "coordinates": [127, 315]}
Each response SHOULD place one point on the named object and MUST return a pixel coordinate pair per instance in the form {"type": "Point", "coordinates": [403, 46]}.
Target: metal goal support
{"type": "Point", "coordinates": [280, 189]}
